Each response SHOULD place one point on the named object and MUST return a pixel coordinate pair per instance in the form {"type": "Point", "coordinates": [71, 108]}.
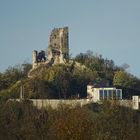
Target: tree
{"type": "Point", "coordinates": [13, 74]}
{"type": "Point", "coordinates": [121, 78]}
{"type": "Point", "coordinates": [25, 68]}
{"type": "Point", "coordinates": [60, 78]}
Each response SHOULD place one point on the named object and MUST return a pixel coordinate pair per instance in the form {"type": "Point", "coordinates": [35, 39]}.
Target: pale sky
{"type": "Point", "coordinates": [107, 27]}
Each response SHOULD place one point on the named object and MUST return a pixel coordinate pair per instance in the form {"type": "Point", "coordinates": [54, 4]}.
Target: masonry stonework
{"type": "Point", "coordinates": [58, 49]}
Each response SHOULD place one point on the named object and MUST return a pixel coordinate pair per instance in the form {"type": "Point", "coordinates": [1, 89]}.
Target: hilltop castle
{"type": "Point", "coordinates": [58, 49]}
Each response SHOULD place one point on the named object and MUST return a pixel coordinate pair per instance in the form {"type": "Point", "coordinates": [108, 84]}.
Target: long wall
{"type": "Point", "coordinates": [43, 103]}
{"type": "Point", "coordinates": [39, 103]}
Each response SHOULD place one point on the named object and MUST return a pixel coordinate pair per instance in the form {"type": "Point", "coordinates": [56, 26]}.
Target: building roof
{"type": "Point", "coordinates": [101, 83]}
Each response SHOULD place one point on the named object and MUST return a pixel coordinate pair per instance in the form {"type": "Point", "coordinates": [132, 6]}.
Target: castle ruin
{"type": "Point", "coordinates": [58, 49]}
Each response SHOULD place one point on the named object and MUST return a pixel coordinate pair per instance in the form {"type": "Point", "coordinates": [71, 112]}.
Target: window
{"type": "Point", "coordinates": [54, 36]}
{"type": "Point", "coordinates": [109, 94]}
{"type": "Point", "coordinates": [118, 94]}
{"type": "Point", "coordinates": [101, 94]}
{"type": "Point", "coordinates": [105, 94]}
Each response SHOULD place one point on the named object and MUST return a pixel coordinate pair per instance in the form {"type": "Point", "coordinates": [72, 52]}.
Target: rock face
{"type": "Point", "coordinates": [58, 48]}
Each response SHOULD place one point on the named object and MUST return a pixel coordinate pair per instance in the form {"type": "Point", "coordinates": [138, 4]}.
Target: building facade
{"type": "Point", "coordinates": [103, 93]}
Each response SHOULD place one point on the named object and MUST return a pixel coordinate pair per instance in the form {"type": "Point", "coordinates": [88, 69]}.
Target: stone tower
{"type": "Point", "coordinates": [58, 47]}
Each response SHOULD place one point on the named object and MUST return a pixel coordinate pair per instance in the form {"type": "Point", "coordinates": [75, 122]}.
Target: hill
{"type": "Point", "coordinates": [65, 80]}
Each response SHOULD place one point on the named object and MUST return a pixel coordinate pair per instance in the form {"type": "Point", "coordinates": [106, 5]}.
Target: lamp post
{"type": "Point", "coordinates": [21, 90]}
{"type": "Point", "coordinates": [21, 86]}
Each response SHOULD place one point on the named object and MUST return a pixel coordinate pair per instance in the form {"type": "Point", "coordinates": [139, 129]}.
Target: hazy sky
{"type": "Point", "coordinates": [107, 27]}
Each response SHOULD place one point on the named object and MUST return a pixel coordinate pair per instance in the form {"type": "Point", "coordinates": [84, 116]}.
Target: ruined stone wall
{"type": "Point", "coordinates": [38, 58]}
{"type": "Point", "coordinates": [58, 48]}
{"type": "Point", "coordinates": [34, 59]}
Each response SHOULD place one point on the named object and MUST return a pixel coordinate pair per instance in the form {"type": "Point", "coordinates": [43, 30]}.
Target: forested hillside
{"type": "Point", "coordinates": [66, 81]}
{"type": "Point", "coordinates": [109, 121]}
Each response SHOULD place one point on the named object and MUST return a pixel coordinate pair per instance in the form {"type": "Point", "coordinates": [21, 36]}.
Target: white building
{"type": "Point", "coordinates": [135, 102]}
{"type": "Point", "coordinates": [103, 93]}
